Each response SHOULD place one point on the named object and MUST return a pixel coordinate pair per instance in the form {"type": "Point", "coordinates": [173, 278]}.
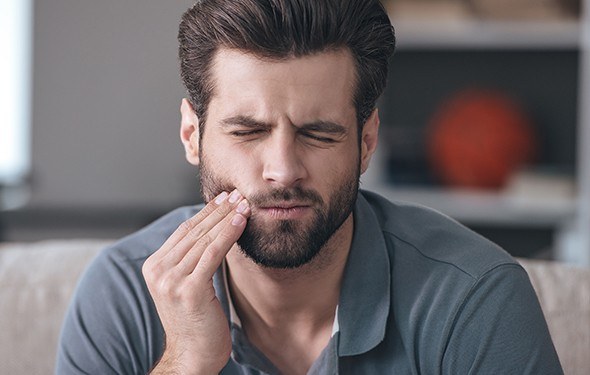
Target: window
{"type": "Point", "coordinates": [15, 94]}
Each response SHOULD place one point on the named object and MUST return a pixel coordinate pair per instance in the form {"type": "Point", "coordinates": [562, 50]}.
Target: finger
{"type": "Point", "coordinates": [192, 229]}
{"type": "Point", "coordinates": [185, 227]}
{"type": "Point", "coordinates": [201, 232]}
{"type": "Point", "coordinates": [213, 255]}
{"type": "Point", "coordinates": [192, 257]}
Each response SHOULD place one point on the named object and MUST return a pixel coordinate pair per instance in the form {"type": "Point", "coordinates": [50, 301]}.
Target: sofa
{"type": "Point", "coordinates": [37, 280]}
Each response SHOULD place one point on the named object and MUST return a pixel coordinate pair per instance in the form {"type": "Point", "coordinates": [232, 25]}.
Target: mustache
{"type": "Point", "coordinates": [296, 194]}
{"type": "Point", "coordinates": [264, 198]}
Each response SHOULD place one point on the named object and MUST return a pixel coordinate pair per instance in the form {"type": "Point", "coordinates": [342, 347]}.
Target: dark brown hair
{"type": "Point", "coordinates": [281, 29]}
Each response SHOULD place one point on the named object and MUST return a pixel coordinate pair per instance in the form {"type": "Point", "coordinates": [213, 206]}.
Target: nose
{"type": "Point", "coordinates": [283, 166]}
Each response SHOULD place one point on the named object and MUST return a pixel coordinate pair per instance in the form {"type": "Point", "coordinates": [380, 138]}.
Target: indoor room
{"type": "Point", "coordinates": [485, 119]}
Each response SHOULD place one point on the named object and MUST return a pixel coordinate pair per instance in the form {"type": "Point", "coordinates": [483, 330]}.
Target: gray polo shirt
{"type": "Point", "coordinates": [420, 294]}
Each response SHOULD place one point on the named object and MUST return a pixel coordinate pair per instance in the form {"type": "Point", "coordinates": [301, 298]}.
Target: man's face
{"type": "Point", "coordinates": [285, 135]}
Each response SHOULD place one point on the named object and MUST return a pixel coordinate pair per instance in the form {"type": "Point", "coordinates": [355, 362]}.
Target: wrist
{"type": "Point", "coordinates": [178, 363]}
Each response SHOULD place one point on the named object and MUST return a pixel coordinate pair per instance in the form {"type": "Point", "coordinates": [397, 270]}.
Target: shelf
{"type": "Point", "coordinates": [473, 207]}
{"type": "Point", "coordinates": [449, 26]}
{"type": "Point", "coordinates": [478, 34]}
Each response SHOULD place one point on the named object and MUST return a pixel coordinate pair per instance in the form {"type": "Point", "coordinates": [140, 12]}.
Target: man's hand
{"type": "Point", "coordinates": [179, 277]}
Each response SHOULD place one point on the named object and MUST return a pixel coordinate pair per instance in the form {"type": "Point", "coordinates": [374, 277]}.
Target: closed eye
{"type": "Point", "coordinates": [326, 132]}
{"type": "Point", "coordinates": [245, 133]}
{"type": "Point", "coordinates": [318, 138]}
{"type": "Point", "coordinates": [244, 126]}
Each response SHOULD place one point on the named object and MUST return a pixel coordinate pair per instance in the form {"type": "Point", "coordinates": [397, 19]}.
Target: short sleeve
{"type": "Point", "coordinates": [500, 329]}
{"type": "Point", "coordinates": [111, 326]}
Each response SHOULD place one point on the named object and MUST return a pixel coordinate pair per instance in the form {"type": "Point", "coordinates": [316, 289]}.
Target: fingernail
{"type": "Point", "coordinates": [242, 207]}
{"type": "Point", "coordinates": [237, 220]}
{"type": "Point", "coordinates": [234, 196]}
{"type": "Point", "coordinates": [221, 197]}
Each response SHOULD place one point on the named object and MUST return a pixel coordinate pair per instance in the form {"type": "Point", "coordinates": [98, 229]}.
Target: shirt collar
{"type": "Point", "coordinates": [366, 287]}
{"type": "Point", "coordinates": [234, 318]}
{"type": "Point", "coordinates": [363, 310]}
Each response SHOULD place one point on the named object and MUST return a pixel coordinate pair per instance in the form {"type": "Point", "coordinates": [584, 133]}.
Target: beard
{"type": "Point", "coordinates": [288, 244]}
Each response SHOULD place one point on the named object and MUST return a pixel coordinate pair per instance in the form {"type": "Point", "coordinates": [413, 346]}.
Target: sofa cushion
{"type": "Point", "coordinates": [36, 283]}
{"type": "Point", "coordinates": [564, 294]}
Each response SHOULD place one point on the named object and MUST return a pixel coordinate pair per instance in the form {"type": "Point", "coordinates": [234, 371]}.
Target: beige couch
{"type": "Point", "coordinates": [37, 279]}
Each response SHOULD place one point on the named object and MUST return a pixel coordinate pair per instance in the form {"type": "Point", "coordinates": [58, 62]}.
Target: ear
{"type": "Point", "coordinates": [369, 139]}
{"type": "Point", "coordinates": [189, 132]}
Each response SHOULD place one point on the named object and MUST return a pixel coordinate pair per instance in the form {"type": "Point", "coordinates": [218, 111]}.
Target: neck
{"type": "Point", "coordinates": [294, 305]}
{"type": "Point", "coordinates": [274, 294]}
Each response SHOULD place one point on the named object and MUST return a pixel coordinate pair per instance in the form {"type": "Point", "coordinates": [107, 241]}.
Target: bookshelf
{"type": "Point", "coordinates": [568, 216]}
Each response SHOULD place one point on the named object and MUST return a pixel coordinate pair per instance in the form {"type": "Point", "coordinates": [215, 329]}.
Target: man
{"type": "Point", "coordinates": [288, 269]}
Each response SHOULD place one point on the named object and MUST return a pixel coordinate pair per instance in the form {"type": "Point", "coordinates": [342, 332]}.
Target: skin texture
{"type": "Point", "coordinates": [284, 134]}
{"type": "Point", "coordinates": [285, 241]}
{"type": "Point", "coordinates": [180, 279]}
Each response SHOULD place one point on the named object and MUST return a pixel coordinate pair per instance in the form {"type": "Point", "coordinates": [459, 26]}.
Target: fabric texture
{"type": "Point", "coordinates": [564, 294]}
{"type": "Point", "coordinates": [421, 294]}
{"type": "Point", "coordinates": [36, 282]}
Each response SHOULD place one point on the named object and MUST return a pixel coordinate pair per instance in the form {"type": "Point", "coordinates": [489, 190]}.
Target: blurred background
{"type": "Point", "coordinates": [486, 118]}
{"type": "Point", "coordinates": [101, 155]}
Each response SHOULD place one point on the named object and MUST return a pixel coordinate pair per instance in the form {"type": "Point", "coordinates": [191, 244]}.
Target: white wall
{"type": "Point", "coordinates": [106, 93]}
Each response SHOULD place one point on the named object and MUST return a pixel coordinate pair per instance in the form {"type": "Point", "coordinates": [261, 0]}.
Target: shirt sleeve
{"type": "Point", "coordinates": [111, 326]}
{"type": "Point", "coordinates": [500, 329]}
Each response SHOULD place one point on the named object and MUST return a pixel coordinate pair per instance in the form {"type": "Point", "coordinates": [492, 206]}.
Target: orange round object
{"type": "Point", "coordinates": [479, 138]}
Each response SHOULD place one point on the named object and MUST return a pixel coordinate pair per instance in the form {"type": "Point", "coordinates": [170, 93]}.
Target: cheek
{"type": "Point", "coordinates": [231, 164]}
{"type": "Point", "coordinates": [332, 172]}
{"type": "Point", "coordinates": [341, 161]}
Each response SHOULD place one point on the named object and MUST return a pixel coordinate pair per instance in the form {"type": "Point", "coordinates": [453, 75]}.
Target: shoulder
{"type": "Point", "coordinates": [456, 294]}
{"type": "Point", "coordinates": [423, 236]}
{"type": "Point", "coordinates": [111, 324]}
{"type": "Point", "coordinates": [132, 250]}
{"type": "Point", "coordinates": [117, 268]}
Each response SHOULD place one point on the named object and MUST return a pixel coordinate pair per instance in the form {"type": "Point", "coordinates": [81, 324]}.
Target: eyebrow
{"type": "Point", "coordinates": [322, 126]}
{"type": "Point", "coordinates": [243, 121]}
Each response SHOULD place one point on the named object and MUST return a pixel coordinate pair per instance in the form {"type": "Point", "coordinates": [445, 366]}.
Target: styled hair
{"type": "Point", "coordinates": [283, 29]}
